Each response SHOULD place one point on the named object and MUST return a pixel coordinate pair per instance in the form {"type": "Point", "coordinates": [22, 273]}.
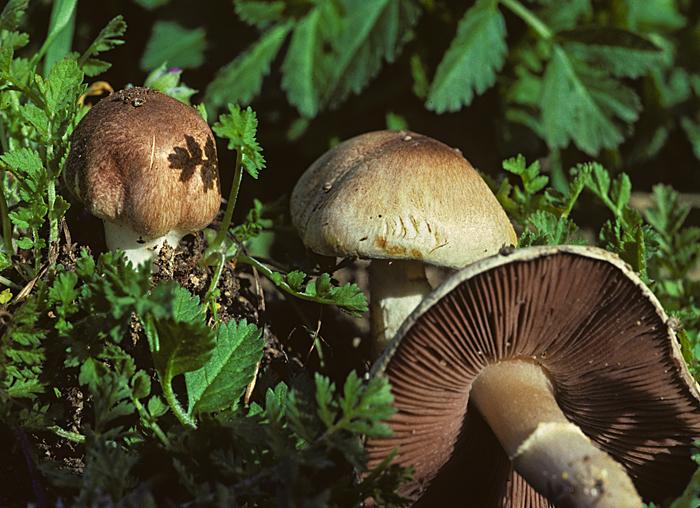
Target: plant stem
{"type": "Point", "coordinates": [529, 18]}
{"type": "Point", "coordinates": [5, 218]}
{"type": "Point", "coordinates": [242, 258]}
{"type": "Point", "coordinates": [174, 404]}
{"type": "Point", "coordinates": [66, 434]}
{"type": "Point", "coordinates": [7, 282]}
{"type": "Point", "coordinates": [215, 282]}
{"type": "Point", "coordinates": [151, 423]}
{"type": "Point", "coordinates": [231, 204]}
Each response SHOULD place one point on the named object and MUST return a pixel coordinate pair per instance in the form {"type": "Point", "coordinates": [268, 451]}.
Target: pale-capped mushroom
{"type": "Point", "coordinates": [401, 199]}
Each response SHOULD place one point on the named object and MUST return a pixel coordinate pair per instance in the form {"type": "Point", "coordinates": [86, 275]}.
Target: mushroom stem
{"type": "Point", "coordinates": [396, 289]}
{"type": "Point", "coordinates": [137, 249]}
{"type": "Point", "coordinates": [554, 456]}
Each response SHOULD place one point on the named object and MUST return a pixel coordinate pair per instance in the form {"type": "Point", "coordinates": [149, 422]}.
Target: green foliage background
{"type": "Point", "coordinates": [599, 97]}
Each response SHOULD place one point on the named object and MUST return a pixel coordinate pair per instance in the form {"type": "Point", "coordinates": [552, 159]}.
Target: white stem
{"type": "Point", "coordinates": [517, 400]}
{"type": "Point", "coordinates": [396, 289]}
{"type": "Point", "coordinates": [138, 249]}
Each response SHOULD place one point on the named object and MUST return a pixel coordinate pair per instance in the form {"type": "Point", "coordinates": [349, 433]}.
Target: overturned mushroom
{"type": "Point", "coordinates": [401, 199]}
{"type": "Point", "coordinates": [146, 165]}
{"type": "Point", "coordinates": [572, 364]}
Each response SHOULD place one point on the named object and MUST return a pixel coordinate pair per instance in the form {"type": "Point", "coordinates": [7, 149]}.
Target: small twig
{"type": "Point", "coordinates": [251, 386]}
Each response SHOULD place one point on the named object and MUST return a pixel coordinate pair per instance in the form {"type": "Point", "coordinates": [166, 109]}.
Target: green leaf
{"type": "Point", "coordinates": [306, 67]}
{"type": "Point", "coordinates": [692, 130]}
{"type": "Point", "coordinates": [62, 16]}
{"type": "Point", "coordinates": [63, 86]}
{"type": "Point", "coordinates": [108, 38]}
{"type": "Point", "coordinates": [372, 32]}
{"type": "Point", "coordinates": [621, 52]}
{"type": "Point", "coordinates": [295, 279]}
{"type": "Point", "coordinates": [395, 122]}
{"type": "Point", "coordinates": [175, 45]}
{"type": "Point", "coordinates": [259, 13]}
{"type": "Point", "coordinates": [24, 162]}
{"type": "Point", "coordinates": [240, 80]}
{"type": "Point", "coordinates": [470, 64]}
{"type": "Point", "coordinates": [61, 28]}
{"type": "Point", "coordinates": [167, 80]}
{"type": "Point", "coordinates": [222, 380]}
{"type": "Point", "coordinates": [5, 296]}
{"type": "Point", "coordinates": [151, 5]}
{"type": "Point", "coordinates": [240, 126]}
{"type": "Point", "coordinates": [581, 104]}
{"type": "Point", "coordinates": [654, 15]}
{"type": "Point", "coordinates": [12, 14]}
{"type": "Point", "coordinates": [183, 347]}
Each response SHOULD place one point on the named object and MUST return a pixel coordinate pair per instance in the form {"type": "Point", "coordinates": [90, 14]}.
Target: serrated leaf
{"type": "Point", "coordinates": [183, 347]}
{"type": "Point", "coordinates": [240, 80]}
{"type": "Point", "coordinates": [24, 162]}
{"type": "Point", "coordinates": [108, 38]}
{"type": "Point", "coordinates": [324, 399]}
{"type": "Point", "coordinates": [306, 67]}
{"type": "Point", "coordinates": [63, 86]}
{"type": "Point", "coordinates": [12, 14]}
{"type": "Point", "coordinates": [372, 32]}
{"type": "Point", "coordinates": [259, 13]}
{"type": "Point", "coordinates": [470, 64]}
{"type": "Point", "coordinates": [350, 298]}
{"type": "Point", "coordinates": [692, 130]}
{"type": "Point", "coordinates": [5, 295]}
{"type": "Point", "coordinates": [565, 14]}
{"type": "Point", "coordinates": [37, 117]}
{"type": "Point", "coordinates": [223, 379]}
{"type": "Point", "coordinates": [582, 105]}
{"type": "Point", "coordinates": [620, 52]}
{"type": "Point", "coordinates": [295, 279]}
{"type": "Point", "coordinates": [239, 127]}
{"type": "Point", "coordinates": [172, 43]}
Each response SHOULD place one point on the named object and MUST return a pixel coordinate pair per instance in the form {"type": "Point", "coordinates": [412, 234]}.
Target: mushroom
{"type": "Point", "coordinates": [573, 366]}
{"type": "Point", "coordinates": [146, 165]}
{"type": "Point", "coordinates": [401, 199]}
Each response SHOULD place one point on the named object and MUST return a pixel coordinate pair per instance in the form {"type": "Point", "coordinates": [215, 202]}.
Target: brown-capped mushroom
{"type": "Point", "coordinates": [574, 367]}
{"type": "Point", "coordinates": [146, 165]}
{"type": "Point", "coordinates": [401, 199]}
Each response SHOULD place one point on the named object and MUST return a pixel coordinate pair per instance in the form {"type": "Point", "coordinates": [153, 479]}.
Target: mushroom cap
{"type": "Point", "coordinates": [588, 321]}
{"type": "Point", "coordinates": [398, 195]}
{"type": "Point", "coordinates": [146, 161]}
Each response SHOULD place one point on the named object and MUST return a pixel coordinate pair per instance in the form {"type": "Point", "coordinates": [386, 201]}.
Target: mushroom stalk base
{"type": "Point", "coordinates": [138, 250]}
{"type": "Point", "coordinates": [396, 289]}
{"type": "Point", "coordinates": [552, 454]}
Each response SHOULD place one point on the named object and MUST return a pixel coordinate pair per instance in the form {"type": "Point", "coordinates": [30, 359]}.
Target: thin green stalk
{"type": "Point", "coordinates": [151, 423]}
{"type": "Point", "coordinates": [232, 197]}
{"type": "Point", "coordinates": [9, 283]}
{"type": "Point", "coordinates": [66, 434]}
{"type": "Point", "coordinates": [174, 404]}
{"type": "Point", "coordinates": [5, 218]}
{"type": "Point", "coordinates": [214, 283]}
{"type": "Point", "coordinates": [242, 258]}
{"type": "Point", "coordinates": [529, 18]}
